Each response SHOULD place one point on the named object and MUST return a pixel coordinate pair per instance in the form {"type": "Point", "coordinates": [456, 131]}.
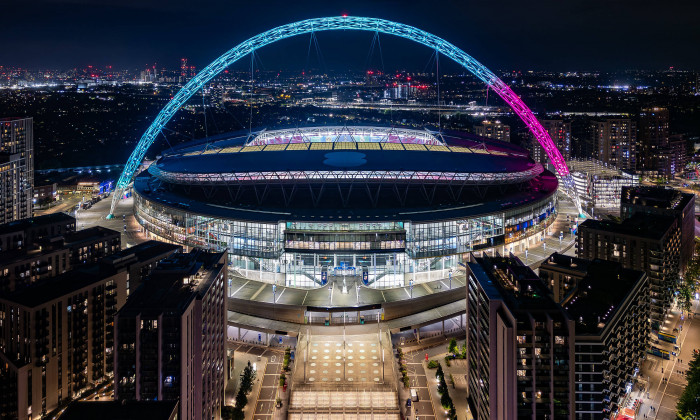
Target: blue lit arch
{"type": "Point", "coordinates": [341, 23]}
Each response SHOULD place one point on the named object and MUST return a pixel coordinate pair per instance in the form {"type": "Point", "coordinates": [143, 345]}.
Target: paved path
{"type": "Point", "coordinates": [123, 216]}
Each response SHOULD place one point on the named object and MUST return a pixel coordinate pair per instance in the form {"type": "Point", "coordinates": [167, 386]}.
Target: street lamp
{"type": "Point", "coordinates": [410, 285]}
{"type": "Point", "coordinates": [450, 278]}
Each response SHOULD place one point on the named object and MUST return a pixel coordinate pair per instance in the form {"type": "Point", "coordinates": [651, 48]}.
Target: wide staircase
{"type": "Point", "coordinates": [344, 377]}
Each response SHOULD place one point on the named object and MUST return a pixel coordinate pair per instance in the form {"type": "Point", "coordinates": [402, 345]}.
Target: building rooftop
{"type": "Point", "coordinates": [141, 252]}
{"type": "Point", "coordinates": [15, 255]}
{"type": "Point", "coordinates": [599, 295]}
{"type": "Point", "coordinates": [47, 219]}
{"type": "Point", "coordinates": [88, 235]}
{"type": "Point", "coordinates": [641, 225]}
{"type": "Point", "coordinates": [61, 285]}
{"type": "Point", "coordinates": [121, 410]}
{"type": "Point", "coordinates": [660, 197]}
{"type": "Point", "coordinates": [567, 262]}
{"type": "Point", "coordinates": [174, 283]}
{"type": "Point", "coordinates": [52, 244]}
{"type": "Point", "coordinates": [508, 278]}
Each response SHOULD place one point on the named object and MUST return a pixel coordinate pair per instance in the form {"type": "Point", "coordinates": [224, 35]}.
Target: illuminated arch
{"type": "Point", "coordinates": [342, 23]}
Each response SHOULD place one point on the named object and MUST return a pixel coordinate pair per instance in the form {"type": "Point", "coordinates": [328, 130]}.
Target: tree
{"type": "Point", "coordinates": [685, 295]}
{"type": "Point", "coordinates": [688, 405]}
{"type": "Point", "coordinates": [689, 402]}
{"type": "Point", "coordinates": [227, 412]}
{"type": "Point", "coordinates": [241, 400]}
{"type": "Point", "coordinates": [438, 373]}
{"type": "Point", "coordinates": [452, 347]}
{"type": "Point", "coordinates": [247, 378]}
{"type": "Point", "coordinates": [442, 385]}
{"type": "Point", "coordinates": [446, 401]}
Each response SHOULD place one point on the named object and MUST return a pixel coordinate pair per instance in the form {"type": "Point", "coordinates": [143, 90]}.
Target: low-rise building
{"type": "Point", "coordinates": [44, 194]}
{"type": "Point", "coordinates": [599, 185]}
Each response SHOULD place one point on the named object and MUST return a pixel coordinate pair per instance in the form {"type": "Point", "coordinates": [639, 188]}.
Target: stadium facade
{"type": "Point", "coordinates": [393, 207]}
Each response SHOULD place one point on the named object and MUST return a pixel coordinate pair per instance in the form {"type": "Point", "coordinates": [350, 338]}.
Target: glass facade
{"type": "Point", "coordinates": [309, 254]}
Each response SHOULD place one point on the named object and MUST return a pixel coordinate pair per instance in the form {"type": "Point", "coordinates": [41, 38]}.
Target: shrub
{"type": "Point", "coordinates": [433, 364]}
{"type": "Point", "coordinates": [406, 381]}
{"type": "Point", "coordinates": [447, 360]}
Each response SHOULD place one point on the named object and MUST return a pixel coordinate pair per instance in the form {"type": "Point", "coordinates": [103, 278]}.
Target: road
{"type": "Point", "coordinates": [268, 361]}
{"type": "Point", "coordinates": [667, 378]}
{"type": "Point", "coordinates": [423, 408]}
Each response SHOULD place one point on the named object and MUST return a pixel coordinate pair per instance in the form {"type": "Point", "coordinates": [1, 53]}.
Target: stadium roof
{"type": "Point", "coordinates": [381, 155]}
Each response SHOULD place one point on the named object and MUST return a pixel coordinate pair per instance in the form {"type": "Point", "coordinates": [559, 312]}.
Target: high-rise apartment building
{"type": "Point", "coordinates": [664, 202]}
{"type": "Point", "coordinates": [672, 159]}
{"type": "Point", "coordinates": [140, 260]}
{"type": "Point", "coordinates": [653, 138]}
{"type": "Point", "coordinates": [50, 257]}
{"type": "Point", "coordinates": [615, 141]}
{"type": "Point", "coordinates": [644, 242]}
{"type": "Point", "coordinates": [560, 132]}
{"type": "Point", "coordinates": [27, 232]}
{"type": "Point", "coordinates": [610, 306]}
{"type": "Point", "coordinates": [57, 307]}
{"type": "Point", "coordinates": [121, 410]}
{"type": "Point", "coordinates": [16, 168]}
{"type": "Point", "coordinates": [493, 130]}
{"type": "Point", "coordinates": [56, 339]}
{"type": "Point", "coordinates": [170, 336]}
{"type": "Point", "coordinates": [520, 344]}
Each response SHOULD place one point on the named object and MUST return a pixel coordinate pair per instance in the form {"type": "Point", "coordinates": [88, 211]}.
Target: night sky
{"type": "Point", "coordinates": [557, 35]}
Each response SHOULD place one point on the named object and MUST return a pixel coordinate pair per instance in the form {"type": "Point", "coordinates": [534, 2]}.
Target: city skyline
{"type": "Point", "coordinates": [585, 35]}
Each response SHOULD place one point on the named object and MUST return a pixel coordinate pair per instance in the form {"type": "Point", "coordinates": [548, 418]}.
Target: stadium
{"type": "Point", "coordinates": [384, 207]}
